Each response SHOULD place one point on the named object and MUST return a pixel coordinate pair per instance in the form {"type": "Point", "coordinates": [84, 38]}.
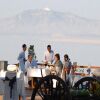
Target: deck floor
{"type": "Point", "coordinates": [28, 95]}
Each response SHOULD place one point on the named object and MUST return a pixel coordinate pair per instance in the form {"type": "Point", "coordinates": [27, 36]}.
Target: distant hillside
{"type": "Point", "coordinates": [49, 23]}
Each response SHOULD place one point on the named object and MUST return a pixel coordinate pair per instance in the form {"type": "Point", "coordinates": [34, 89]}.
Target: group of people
{"type": "Point", "coordinates": [49, 58]}
{"type": "Point", "coordinates": [23, 62]}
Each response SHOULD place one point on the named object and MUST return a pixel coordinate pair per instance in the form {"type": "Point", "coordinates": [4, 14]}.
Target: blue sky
{"type": "Point", "coordinates": [84, 8]}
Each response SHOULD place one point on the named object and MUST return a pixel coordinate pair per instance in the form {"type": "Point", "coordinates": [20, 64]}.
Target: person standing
{"type": "Point", "coordinates": [67, 63]}
{"type": "Point", "coordinates": [22, 59]}
{"type": "Point", "coordinates": [49, 55]}
{"type": "Point", "coordinates": [58, 65]}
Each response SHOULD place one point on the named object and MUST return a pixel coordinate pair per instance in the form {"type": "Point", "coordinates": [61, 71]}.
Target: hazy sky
{"type": "Point", "coordinates": [83, 53]}
{"type": "Point", "coordinates": [84, 8]}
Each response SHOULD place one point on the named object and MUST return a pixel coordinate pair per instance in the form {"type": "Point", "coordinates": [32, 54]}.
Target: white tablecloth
{"type": "Point", "coordinates": [36, 72]}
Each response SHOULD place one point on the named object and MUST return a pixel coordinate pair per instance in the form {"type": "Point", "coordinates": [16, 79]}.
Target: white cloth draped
{"type": "Point", "coordinates": [18, 87]}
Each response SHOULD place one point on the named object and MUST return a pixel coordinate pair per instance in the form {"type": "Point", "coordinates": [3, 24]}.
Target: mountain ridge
{"type": "Point", "coordinates": [49, 22]}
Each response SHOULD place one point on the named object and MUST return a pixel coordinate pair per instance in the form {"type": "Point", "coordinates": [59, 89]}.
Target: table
{"type": "Point", "coordinates": [36, 73]}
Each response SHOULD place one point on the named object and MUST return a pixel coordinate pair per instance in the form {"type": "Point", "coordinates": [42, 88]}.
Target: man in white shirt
{"type": "Point", "coordinates": [49, 55]}
{"type": "Point", "coordinates": [22, 59]}
{"type": "Point", "coordinates": [30, 62]}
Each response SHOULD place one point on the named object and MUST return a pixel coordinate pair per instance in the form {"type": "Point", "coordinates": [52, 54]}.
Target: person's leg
{"type": "Point", "coordinates": [24, 97]}
{"type": "Point", "coordinates": [35, 81]}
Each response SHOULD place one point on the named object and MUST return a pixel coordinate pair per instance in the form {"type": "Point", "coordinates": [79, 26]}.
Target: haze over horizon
{"type": "Point", "coordinates": [43, 27]}
{"type": "Point", "coordinates": [20, 22]}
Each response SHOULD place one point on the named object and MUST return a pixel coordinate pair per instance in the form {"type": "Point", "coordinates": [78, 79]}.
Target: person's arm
{"type": "Point", "coordinates": [69, 67]}
{"type": "Point", "coordinates": [26, 66]}
{"type": "Point", "coordinates": [20, 57]}
{"type": "Point", "coordinates": [53, 56]}
{"type": "Point", "coordinates": [45, 58]}
{"type": "Point", "coordinates": [34, 64]}
{"type": "Point", "coordinates": [60, 65]}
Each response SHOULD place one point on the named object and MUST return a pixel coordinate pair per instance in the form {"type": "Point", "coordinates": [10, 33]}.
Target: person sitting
{"type": "Point", "coordinates": [30, 63]}
{"type": "Point", "coordinates": [58, 64]}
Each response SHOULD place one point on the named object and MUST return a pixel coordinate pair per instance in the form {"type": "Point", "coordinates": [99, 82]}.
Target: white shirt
{"type": "Point", "coordinates": [49, 56]}
{"type": "Point", "coordinates": [32, 64]}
